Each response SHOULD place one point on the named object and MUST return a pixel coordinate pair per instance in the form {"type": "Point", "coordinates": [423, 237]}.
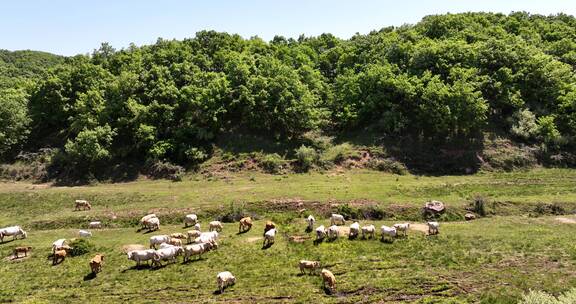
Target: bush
{"type": "Point", "coordinates": [549, 209]}
{"type": "Point", "coordinates": [524, 126]}
{"type": "Point", "coordinates": [339, 153]}
{"type": "Point", "coordinates": [349, 212]}
{"type": "Point", "coordinates": [539, 297]}
{"type": "Point", "coordinates": [478, 205]}
{"type": "Point", "coordinates": [80, 247]}
{"type": "Point", "coordinates": [159, 169]}
{"type": "Point", "coordinates": [273, 163]}
{"type": "Point", "coordinates": [388, 165]}
{"type": "Point", "coordinates": [306, 157]}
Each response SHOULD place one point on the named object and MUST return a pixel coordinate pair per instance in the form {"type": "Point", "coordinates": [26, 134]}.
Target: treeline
{"type": "Point", "coordinates": [449, 78]}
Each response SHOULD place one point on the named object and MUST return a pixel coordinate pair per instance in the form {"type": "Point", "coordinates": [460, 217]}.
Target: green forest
{"type": "Point", "coordinates": [447, 81]}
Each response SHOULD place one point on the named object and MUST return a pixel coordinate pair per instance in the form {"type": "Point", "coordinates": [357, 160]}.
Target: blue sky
{"type": "Point", "coordinates": [71, 27]}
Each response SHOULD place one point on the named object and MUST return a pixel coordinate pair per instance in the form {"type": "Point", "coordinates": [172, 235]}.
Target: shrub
{"type": "Point", "coordinates": [549, 209]}
{"type": "Point", "coordinates": [339, 153]}
{"type": "Point", "coordinates": [80, 247]}
{"type": "Point", "coordinates": [160, 169]}
{"type": "Point", "coordinates": [306, 157]}
{"type": "Point", "coordinates": [349, 212]}
{"type": "Point", "coordinates": [478, 205]}
{"type": "Point", "coordinates": [273, 163]}
{"type": "Point", "coordinates": [388, 165]}
{"type": "Point", "coordinates": [524, 126]}
{"type": "Point", "coordinates": [539, 297]}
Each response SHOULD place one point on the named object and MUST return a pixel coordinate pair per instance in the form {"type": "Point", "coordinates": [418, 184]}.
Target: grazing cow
{"type": "Point", "coordinates": [402, 228]}
{"type": "Point", "coordinates": [13, 231]}
{"type": "Point", "coordinates": [58, 244]}
{"type": "Point", "coordinates": [95, 225]}
{"type": "Point", "coordinates": [310, 220]}
{"type": "Point", "coordinates": [215, 225]}
{"type": "Point", "coordinates": [152, 223]}
{"type": "Point", "coordinates": [191, 235]}
{"type": "Point", "coordinates": [354, 230]}
{"type": "Point", "coordinates": [320, 232]}
{"type": "Point", "coordinates": [433, 228]}
{"type": "Point", "coordinates": [197, 227]}
{"type": "Point", "coordinates": [96, 263]}
{"type": "Point", "coordinates": [178, 235]}
{"type": "Point", "coordinates": [145, 219]}
{"type": "Point", "coordinates": [312, 266]}
{"type": "Point", "coordinates": [198, 249]}
{"type": "Point", "coordinates": [190, 219]}
{"type": "Point", "coordinates": [167, 253]}
{"type": "Point", "coordinates": [333, 232]}
{"type": "Point", "coordinates": [24, 249]}
{"type": "Point", "coordinates": [175, 242]}
{"type": "Point", "coordinates": [368, 231]}
{"type": "Point", "coordinates": [245, 224]}
{"type": "Point", "coordinates": [84, 233]}
{"type": "Point", "coordinates": [269, 225]}
{"type": "Point", "coordinates": [328, 279]}
{"type": "Point", "coordinates": [337, 219]}
{"type": "Point", "coordinates": [225, 279]}
{"type": "Point", "coordinates": [141, 255]}
{"type": "Point", "coordinates": [269, 237]}
{"type": "Point", "coordinates": [158, 239]}
{"type": "Point", "coordinates": [59, 256]}
{"type": "Point", "coordinates": [206, 237]}
{"type": "Point", "coordinates": [388, 232]}
{"type": "Point", "coordinates": [82, 204]}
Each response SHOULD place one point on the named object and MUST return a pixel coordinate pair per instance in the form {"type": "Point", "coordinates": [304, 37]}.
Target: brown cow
{"type": "Point", "coordinates": [328, 278]}
{"type": "Point", "coordinates": [245, 224]}
{"type": "Point", "coordinates": [96, 263]}
{"type": "Point", "coordinates": [23, 249]}
{"type": "Point", "coordinates": [82, 204]}
{"type": "Point", "coordinates": [59, 256]}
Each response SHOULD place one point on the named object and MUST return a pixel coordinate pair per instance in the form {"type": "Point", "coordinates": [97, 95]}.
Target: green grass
{"type": "Point", "coordinates": [490, 260]}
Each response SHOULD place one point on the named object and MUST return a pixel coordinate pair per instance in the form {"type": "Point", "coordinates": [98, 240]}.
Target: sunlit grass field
{"type": "Point", "coordinates": [490, 260]}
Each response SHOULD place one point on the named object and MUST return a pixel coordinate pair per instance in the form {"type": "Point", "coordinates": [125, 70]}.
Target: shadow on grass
{"type": "Point", "coordinates": [90, 276]}
{"type": "Point", "coordinates": [136, 267]}
{"type": "Point", "coordinates": [192, 261]}
{"type": "Point", "coordinates": [266, 246]}
{"type": "Point", "coordinates": [7, 241]}
{"type": "Point", "coordinates": [242, 232]}
{"type": "Point", "coordinates": [308, 229]}
{"type": "Point", "coordinates": [327, 290]}
{"type": "Point", "coordinates": [318, 241]}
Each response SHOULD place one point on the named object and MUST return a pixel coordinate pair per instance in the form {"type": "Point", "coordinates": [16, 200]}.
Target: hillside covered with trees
{"type": "Point", "coordinates": [446, 83]}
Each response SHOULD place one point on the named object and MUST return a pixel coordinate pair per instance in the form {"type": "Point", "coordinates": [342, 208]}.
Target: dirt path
{"type": "Point", "coordinates": [419, 227]}
{"type": "Point", "coordinates": [130, 247]}
{"type": "Point", "coordinates": [566, 220]}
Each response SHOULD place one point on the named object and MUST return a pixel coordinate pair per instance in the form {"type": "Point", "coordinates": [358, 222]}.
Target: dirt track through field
{"type": "Point", "coordinates": [566, 220]}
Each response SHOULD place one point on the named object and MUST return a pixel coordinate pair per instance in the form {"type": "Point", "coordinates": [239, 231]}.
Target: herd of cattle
{"type": "Point", "coordinates": [169, 247]}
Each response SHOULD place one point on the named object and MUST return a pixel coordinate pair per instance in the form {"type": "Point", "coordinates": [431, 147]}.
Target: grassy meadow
{"type": "Point", "coordinates": [491, 260]}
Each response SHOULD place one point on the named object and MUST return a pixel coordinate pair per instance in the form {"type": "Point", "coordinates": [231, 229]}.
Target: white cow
{"type": "Point", "coordinates": [368, 231]}
{"type": "Point", "coordinates": [95, 225]}
{"type": "Point", "coordinates": [84, 233]}
{"type": "Point", "coordinates": [433, 228]}
{"type": "Point", "coordinates": [402, 228]}
{"type": "Point", "coordinates": [354, 230]}
{"type": "Point", "coordinates": [58, 244]}
{"type": "Point", "coordinates": [333, 232]}
{"type": "Point", "coordinates": [320, 232]}
{"type": "Point", "coordinates": [145, 218]}
{"type": "Point", "coordinates": [225, 279]}
{"type": "Point", "coordinates": [153, 223]}
{"type": "Point", "coordinates": [166, 253]}
{"type": "Point", "coordinates": [388, 231]}
{"type": "Point", "coordinates": [197, 227]}
{"type": "Point", "coordinates": [141, 255]}
{"type": "Point", "coordinates": [198, 249]}
{"type": "Point", "coordinates": [190, 219]}
{"type": "Point", "coordinates": [269, 237]}
{"type": "Point", "coordinates": [215, 225]}
{"type": "Point", "coordinates": [158, 239]}
{"type": "Point", "coordinates": [310, 220]}
{"type": "Point", "coordinates": [337, 219]}
{"type": "Point", "coordinates": [206, 237]}
{"type": "Point", "coordinates": [13, 231]}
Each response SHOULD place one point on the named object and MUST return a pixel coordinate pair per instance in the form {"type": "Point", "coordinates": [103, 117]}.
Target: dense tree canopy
{"type": "Point", "coordinates": [449, 77]}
